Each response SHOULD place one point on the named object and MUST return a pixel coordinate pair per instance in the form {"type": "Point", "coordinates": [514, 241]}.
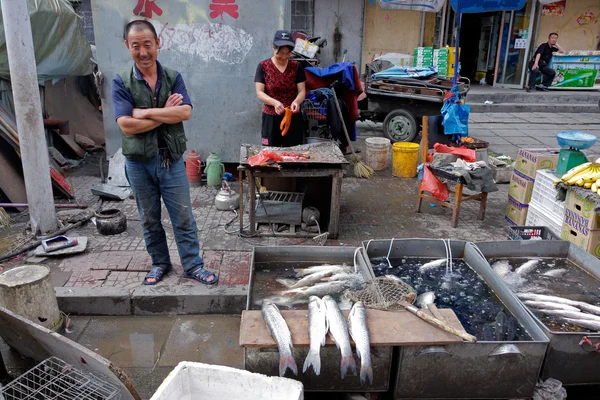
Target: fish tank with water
{"type": "Point", "coordinates": [451, 283]}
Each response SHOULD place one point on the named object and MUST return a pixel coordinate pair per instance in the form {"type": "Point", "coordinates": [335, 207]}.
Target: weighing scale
{"type": "Point", "coordinates": [571, 144]}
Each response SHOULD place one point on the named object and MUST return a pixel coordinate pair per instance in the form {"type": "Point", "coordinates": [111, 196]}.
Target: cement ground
{"type": "Point", "coordinates": [111, 270]}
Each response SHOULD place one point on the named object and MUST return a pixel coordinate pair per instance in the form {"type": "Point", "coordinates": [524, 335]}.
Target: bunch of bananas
{"type": "Point", "coordinates": [586, 175]}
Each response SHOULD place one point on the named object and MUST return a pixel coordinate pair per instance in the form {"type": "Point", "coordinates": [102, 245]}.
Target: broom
{"type": "Point", "coordinates": [361, 170]}
{"type": "Point", "coordinates": [5, 220]}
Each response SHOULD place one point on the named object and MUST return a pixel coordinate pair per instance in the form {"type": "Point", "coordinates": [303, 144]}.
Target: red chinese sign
{"type": "Point", "coordinates": [145, 8]}
{"type": "Point", "coordinates": [220, 7]}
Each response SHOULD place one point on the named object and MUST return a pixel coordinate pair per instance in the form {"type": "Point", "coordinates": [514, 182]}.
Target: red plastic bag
{"type": "Point", "coordinates": [433, 185]}
{"type": "Point", "coordinates": [265, 157]}
{"type": "Point", "coordinates": [464, 153]}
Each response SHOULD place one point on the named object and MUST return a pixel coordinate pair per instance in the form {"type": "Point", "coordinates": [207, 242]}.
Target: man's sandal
{"type": "Point", "coordinates": [201, 275]}
{"type": "Point", "coordinates": [156, 273]}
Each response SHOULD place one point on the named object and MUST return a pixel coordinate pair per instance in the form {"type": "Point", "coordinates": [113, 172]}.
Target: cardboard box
{"type": "Point", "coordinates": [589, 242]}
{"type": "Point", "coordinates": [580, 214]}
{"type": "Point", "coordinates": [516, 212]}
{"type": "Point", "coordinates": [520, 187]}
{"type": "Point", "coordinates": [530, 160]}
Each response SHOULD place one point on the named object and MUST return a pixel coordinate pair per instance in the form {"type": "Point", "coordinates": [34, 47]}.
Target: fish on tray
{"type": "Point", "coordinates": [282, 301]}
{"type": "Point", "coordinates": [280, 332]}
{"type": "Point", "coordinates": [320, 289]}
{"type": "Point", "coordinates": [357, 324]}
{"type": "Point", "coordinates": [317, 332]}
{"type": "Point", "coordinates": [339, 333]}
{"type": "Point", "coordinates": [590, 308]}
{"type": "Point", "coordinates": [584, 323]}
{"type": "Point", "coordinates": [335, 269]}
{"type": "Point", "coordinates": [555, 273]}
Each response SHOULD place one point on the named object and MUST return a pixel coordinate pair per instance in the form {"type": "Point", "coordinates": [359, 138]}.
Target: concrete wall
{"type": "Point", "coordinates": [578, 28]}
{"type": "Point", "coordinates": [391, 31]}
{"type": "Point", "coordinates": [217, 55]}
{"type": "Point", "coordinates": [341, 22]}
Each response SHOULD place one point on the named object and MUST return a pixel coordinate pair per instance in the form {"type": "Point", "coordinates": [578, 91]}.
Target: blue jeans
{"type": "Point", "coordinates": [149, 182]}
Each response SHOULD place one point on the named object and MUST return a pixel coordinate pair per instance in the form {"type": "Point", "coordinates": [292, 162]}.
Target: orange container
{"type": "Point", "coordinates": [193, 167]}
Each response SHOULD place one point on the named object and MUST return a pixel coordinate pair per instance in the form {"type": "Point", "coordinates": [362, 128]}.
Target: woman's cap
{"type": "Point", "coordinates": [283, 38]}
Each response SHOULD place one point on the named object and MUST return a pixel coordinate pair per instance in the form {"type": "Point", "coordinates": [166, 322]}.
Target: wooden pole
{"type": "Point", "coordinates": [425, 140]}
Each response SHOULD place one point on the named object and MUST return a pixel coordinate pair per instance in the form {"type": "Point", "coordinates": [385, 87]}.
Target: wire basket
{"type": "Point", "coordinates": [54, 379]}
{"type": "Point", "coordinates": [314, 111]}
{"type": "Point", "coordinates": [531, 233]}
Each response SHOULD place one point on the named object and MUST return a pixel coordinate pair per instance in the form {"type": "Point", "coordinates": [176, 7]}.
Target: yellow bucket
{"type": "Point", "coordinates": [404, 159]}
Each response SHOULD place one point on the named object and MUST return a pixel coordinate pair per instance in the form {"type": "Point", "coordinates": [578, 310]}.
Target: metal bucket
{"type": "Point", "coordinates": [266, 361]}
{"type": "Point", "coordinates": [566, 360]}
{"type": "Point", "coordinates": [484, 370]}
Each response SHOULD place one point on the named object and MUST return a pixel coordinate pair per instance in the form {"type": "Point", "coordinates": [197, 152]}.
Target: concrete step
{"type": "Point", "coordinates": [521, 96]}
{"type": "Point", "coordinates": [513, 107]}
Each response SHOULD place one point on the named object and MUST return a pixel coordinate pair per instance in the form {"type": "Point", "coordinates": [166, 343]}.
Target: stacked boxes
{"type": "Point", "coordinates": [544, 209]}
{"type": "Point", "coordinates": [440, 61]}
{"type": "Point", "coordinates": [423, 57]}
{"type": "Point", "coordinates": [582, 224]}
{"type": "Point", "coordinates": [521, 182]}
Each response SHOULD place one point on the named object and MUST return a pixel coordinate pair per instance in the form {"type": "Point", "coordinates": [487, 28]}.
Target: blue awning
{"type": "Point", "coordinates": [478, 6]}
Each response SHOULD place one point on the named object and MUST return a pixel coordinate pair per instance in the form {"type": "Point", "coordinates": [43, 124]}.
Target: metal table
{"type": "Point", "coordinates": [326, 162]}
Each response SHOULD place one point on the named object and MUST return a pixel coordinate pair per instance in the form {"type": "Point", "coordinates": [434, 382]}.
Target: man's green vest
{"type": "Point", "coordinates": [144, 146]}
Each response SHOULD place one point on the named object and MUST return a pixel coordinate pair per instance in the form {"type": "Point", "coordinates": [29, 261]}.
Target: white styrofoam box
{"type": "Point", "coordinates": [192, 380]}
{"type": "Point", "coordinates": [544, 194]}
{"type": "Point", "coordinates": [537, 216]}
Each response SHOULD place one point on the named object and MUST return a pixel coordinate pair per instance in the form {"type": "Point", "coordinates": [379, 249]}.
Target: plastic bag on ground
{"type": "Point", "coordinates": [433, 185]}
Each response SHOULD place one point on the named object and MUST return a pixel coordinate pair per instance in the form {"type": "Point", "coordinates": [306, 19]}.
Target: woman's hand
{"type": "Point", "coordinates": [295, 107]}
{"type": "Point", "coordinates": [279, 108]}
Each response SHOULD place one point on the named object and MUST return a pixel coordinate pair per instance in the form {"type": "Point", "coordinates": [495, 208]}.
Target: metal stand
{"type": "Point", "coordinates": [336, 173]}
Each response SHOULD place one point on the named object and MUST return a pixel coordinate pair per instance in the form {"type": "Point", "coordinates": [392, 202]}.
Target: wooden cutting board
{"type": "Point", "coordinates": [386, 328]}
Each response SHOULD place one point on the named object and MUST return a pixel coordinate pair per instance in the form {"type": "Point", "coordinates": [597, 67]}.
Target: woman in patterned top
{"type": "Point", "coordinates": [280, 85]}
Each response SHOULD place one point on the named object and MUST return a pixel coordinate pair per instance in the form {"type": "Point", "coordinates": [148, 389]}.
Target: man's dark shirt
{"type": "Point", "coordinates": [546, 53]}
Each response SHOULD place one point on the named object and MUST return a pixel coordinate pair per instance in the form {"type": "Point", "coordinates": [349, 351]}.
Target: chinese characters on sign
{"type": "Point", "coordinates": [220, 7]}
{"type": "Point", "coordinates": [149, 7]}
{"type": "Point", "coordinates": [520, 43]}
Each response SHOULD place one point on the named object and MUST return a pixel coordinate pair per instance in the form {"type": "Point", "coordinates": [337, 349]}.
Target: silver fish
{"type": "Point", "coordinates": [584, 323]}
{"type": "Point", "coordinates": [501, 268]}
{"type": "Point", "coordinates": [547, 305]}
{"type": "Point", "coordinates": [425, 298]}
{"type": "Point", "coordinates": [317, 332]}
{"type": "Point", "coordinates": [280, 332]}
{"type": "Point", "coordinates": [571, 314]}
{"type": "Point", "coordinates": [308, 280]}
{"type": "Point", "coordinates": [555, 299]}
{"type": "Point", "coordinates": [555, 272]}
{"type": "Point", "coordinates": [357, 324]}
{"type": "Point", "coordinates": [339, 333]}
{"type": "Point", "coordinates": [527, 267]}
{"type": "Point", "coordinates": [319, 268]}
{"type": "Point", "coordinates": [282, 301]}
{"type": "Point", "coordinates": [433, 264]}
{"type": "Point", "coordinates": [351, 280]}
{"type": "Point", "coordinates": [320, 289]}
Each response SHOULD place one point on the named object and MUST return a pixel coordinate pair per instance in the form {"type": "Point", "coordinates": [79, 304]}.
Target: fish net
{"type": "Point", "coordinates": [384, 293]}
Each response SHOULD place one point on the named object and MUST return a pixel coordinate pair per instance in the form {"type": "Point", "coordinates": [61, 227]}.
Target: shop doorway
{"type": "Point", "coordinates": [517, 34]}
{"type": "Point", "coordinates": [479, 46]}
{"type": "Point", "coordinates": [493, 46]}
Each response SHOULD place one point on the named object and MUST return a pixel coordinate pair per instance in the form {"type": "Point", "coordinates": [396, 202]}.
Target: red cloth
{"type": "Point", "coordinates": [349, 97]}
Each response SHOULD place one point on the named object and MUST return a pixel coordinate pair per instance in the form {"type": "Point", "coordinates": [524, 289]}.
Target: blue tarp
{"type": "Point", "coordinates": [479, 6]}
{"type": "Point", "coordinates": [405, 72]}
{"type": "Point", "coordinates": [346, 68]}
